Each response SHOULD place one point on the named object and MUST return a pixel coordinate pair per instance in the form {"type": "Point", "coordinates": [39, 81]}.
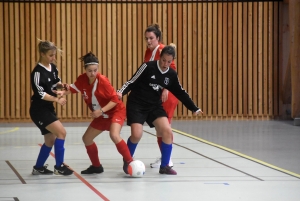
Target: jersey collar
{"type": "Point", "coordinates": [162, 72]}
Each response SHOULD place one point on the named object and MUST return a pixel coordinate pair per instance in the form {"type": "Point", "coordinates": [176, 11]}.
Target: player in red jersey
{"type": "Point", "coordinates": [153, 38]}
{"type": "Point", "coordinates": [108, 112]}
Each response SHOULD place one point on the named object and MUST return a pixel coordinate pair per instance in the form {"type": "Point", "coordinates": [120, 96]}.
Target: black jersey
{"type": "Point", "coordinates": [148, 82]}
{"type": "Point", "coordinates": [43, 81]}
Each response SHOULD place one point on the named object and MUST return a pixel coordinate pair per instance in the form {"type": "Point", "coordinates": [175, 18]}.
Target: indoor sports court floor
{"type": "Point", "coordinates": [215, 160]}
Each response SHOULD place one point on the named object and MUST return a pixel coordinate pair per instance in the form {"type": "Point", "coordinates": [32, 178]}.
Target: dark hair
{"type": "Point", "coordinates": [88, 59]}
{"type": "Point", "coordinates": [156, 30]}
{"type": "Point", "coordinates": [169, 49]}
{"type": "Point", "coordinates": [44, 46]}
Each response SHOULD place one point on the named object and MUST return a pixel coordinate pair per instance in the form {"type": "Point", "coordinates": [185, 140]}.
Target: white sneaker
{"type": "Point", "coordinates": [157, 163]}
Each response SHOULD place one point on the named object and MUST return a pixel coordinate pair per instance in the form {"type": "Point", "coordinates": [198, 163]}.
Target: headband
{"type": "Point", "coordinates": [91, 63]}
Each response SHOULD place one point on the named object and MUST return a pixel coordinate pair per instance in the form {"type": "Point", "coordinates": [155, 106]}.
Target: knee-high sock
{"type": "Point", "coordinates": [124, 151]}
{"type": "Point", "coordinates": [43, 155]}
{"type": "Point", "coordinates": [166, 150]}
{"type": "Point", "coordinates": [131, 146]}
{"type": "Point", "coordinates": [59, 150]}
{"type": "Point", "coordinates": [159, 140]}
{"type": "Point", "coordinates": [92, 151]}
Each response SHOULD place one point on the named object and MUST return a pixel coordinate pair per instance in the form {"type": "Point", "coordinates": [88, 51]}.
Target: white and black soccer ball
{"type": "Point", "coordinates": [136, 168]}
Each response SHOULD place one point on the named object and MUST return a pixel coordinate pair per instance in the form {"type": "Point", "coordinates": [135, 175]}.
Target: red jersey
{"type": "Point", "coordinates": [151, 55]}
{"type": "Point", "coordinates": [98, 94]}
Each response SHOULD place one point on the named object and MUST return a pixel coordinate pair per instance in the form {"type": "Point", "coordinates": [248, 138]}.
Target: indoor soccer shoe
{"type": "Point", "coordinates": [41, 171]}
{"type": "Point", "coordinates": [125, 167]}
{"type": "Point", "coordinates": [157, 163]}
{"type": "Point", "coordinates": [167, 170]}
{"type": "Point", "coordinates": [62, 170]}
{"type": "Point", "coordinates": [93, 169]}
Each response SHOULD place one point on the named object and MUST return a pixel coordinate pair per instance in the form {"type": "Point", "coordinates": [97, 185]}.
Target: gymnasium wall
{"type": "Point", "coordinates": [228, 54]}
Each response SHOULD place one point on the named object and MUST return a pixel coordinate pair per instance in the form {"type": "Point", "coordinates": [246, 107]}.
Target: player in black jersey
{"type": "Point", "coordinates": [144, 103]}
{"type": "Point", "coordinates": [44, 80]}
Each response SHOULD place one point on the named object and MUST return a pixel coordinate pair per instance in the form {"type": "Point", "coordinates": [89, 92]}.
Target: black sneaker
{"type": "Point", "coordinates": [167, 170]}
{"type": "Point", "coordinates": [93, 169]}
{"type": "Point", "coordinates": [125, 167]}
{"type": "Point", "coordinates": [41, 171]}
{"type": "Point", "coordinates": [62, 170]}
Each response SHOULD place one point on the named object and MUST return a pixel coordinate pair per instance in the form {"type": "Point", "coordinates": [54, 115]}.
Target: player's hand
{"type": "Point", "coordinates": [164, 95]}
{"type": "Point", "coordinates": [66, 87]}
{"type": "Point", "coordinates": [61, 101]}
{"type": "Point", "coordinates": [119, 95]}
{"type": "Point", "coordinates": [198, 112]}
{"type": "Point", "coordinates": [95, 114]}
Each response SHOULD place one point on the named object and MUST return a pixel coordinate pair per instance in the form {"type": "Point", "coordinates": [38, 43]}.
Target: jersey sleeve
{"type": "Point", "coordinates": [136, 78]}
{"type": "Point", "coordinates": [182, 95]}
{"type": "Point", "coordinates": [108, 89]}
{"type": "Point", "coordinates": [36, 85]}
{"type": "Point", "coordinates": [77, 85]}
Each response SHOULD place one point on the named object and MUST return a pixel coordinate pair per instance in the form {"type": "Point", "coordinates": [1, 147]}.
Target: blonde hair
{"type": "Point", "coordinates": [44, 46]}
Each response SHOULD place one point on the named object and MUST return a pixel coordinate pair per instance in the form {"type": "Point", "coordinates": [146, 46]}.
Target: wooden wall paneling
{"type": "Point", "coordinates": [22, 64]}
{"type": "Point", "coordinates": [204, 61]}
{"type": "Point", "coordinates": [84, 48]}
{"type": "Point", "coordinates": [109, 41]}
{"type": "Point", "coordinates": [43, 21]}
{"type": "Point", "coordinates": [185, 74]}
{"type": "Point", "coordinates": [114, 45]}
{"type": "Point", "coordinates": [125, 45]}
{"type": "Point", "coordinates": [59, 53]}
{"type": "Point", "coordinates": [260, 58]}
{"type": "Point", "coordinates": [12, 59]}
{"type": "Point", "coordinates": [277, 64]}
{"type": "Point", "coordinates": [69, 46]}
{"type": "Point", "coordinates": [164, 22]}
{"type": "Point", "coordinates": [135, 65]}
{"type": "Point", "coordinates": [72, 67]}
{"type": "Point", "coordinates": [119, 63]}
{"type": "Point", "coordinates": [209, 27]}
{"type": "Point", "coordinates": [6, 58]}
{"type": "Point", "coordinates": [65, 49]}
{"type": "Point", "coordinates": [144, 26]}
{"type": "Point", "coordinates": [129, 64]}
{"type": "Point", "coordinates": [174, 26]}
{"type": "Point", "coordinates": [245, 56]}
{"type": "Point", "coordinates": [270, 58]}
{"type": "Point", "coordinates": [180, 66]}
{"type": "Point", "coordinates": [235, 70]}
{"type": "Point", "coordinates": [140, 35]}
{"type": "Point", "coordinates": [255, 60]}
{"type": "Point", "coordinates": [154, 14]}
{"type": "Point", "coordinates": [2, 72]}
{"type": "Point", "coordinates": [220, 60]}
{"type": "Point", "coordinates": [169, 30]}
{"type": "Point", "coordinates": [17, 57]}
{"type": "Point", "coordinates": [94, 29]}
{"type": "Point", "coordinates": [149, 13]}
{"type": "Point", "coordinates": [230, 69]}
{"type": "Point", "coordinates": [225, 59]}
{"type": "Point", "coordinates": [80, 68]}
{"type": "Point", "coordinates": [48, 19]}
{"type": "Point", "coordinates": [194, 62]}
{"type": "Point", "coordinates": [28, 66]}
{"type": "Point", "coordinates": [248, 108]}
{"type": "Point", "coordinates": [214, 59]}
{"type": "Point", "coordinates": [265, 57]}
{"type": "Point", "coordinates": [240, 65]}
{"type": "Point", "coordinates": [189, 54]}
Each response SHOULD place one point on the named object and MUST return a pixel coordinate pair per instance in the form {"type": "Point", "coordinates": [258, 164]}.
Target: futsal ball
{"type": "Point", "coordinates": [136, 168]}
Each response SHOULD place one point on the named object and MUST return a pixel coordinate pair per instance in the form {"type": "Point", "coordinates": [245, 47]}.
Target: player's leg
{"type": "Point", "coordinates": [57, 129]}
{"type": "Point", "coordinates": [121, 145]}
{"type": "Point", "coordinates": [92, 150]}
{"type": "Point", "coordinates": [162, 127]}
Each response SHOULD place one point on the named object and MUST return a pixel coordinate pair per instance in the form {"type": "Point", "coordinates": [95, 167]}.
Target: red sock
{"type": "Point", "coordinates": [124, 151]}
{"type": "Point", "coordinates": [92, 151]}
{"type": "Point", "coordinates": [159, 140]}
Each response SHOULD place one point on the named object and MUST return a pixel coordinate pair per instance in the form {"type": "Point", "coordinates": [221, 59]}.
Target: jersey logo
{"type": "Point", "coordinates": [49, 80]}
{"type": "Point", "coordinates": [41, 123]}
{"type": "Point", "coordinates": [84, 95]}
{"type": "Point", "coordinates": [166, 80]}
{"type": "Point", "coordinates": [153, 76]}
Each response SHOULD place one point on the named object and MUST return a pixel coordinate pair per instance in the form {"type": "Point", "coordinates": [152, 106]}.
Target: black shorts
{"type": "Point", "coordinates": [139, 114]}
{"type": "Point", "coordinates": [43, 116]}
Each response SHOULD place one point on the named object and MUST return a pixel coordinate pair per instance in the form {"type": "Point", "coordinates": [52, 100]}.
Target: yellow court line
{"type": "Point", "coordinates": [238, 153]}
{"type": "Point", "coordinates": [9, 131]}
